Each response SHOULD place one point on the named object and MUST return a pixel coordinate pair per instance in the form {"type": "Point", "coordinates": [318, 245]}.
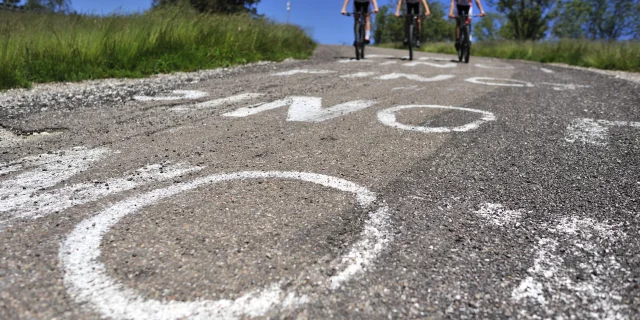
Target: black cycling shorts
{"type": "Point", "coordinates": [361, 7]}
{"type": "Point", "coordinates": [413, 8]}
{"type": "Point", "coordinates": [461, 10]}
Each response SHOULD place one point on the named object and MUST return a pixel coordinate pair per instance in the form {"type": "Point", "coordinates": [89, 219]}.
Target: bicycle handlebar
{"type": "Point", "coordinates": [349, 14]}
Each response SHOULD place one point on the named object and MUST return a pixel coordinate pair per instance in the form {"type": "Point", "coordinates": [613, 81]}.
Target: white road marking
{"type": "Point", "coordinates": [414, 87]}
{"type": "Point", "coordinates": [305, 109]}
{"type": "Point", "coordinates": [499, 67]}
{"type": "Point", "coordinates": [43, 171]}
{"type": "Point", "coordinates": [380, 56]}
{"type": "Point", "coordinates": [436, 65]}
{"type": "Point", "coordinates": [9, 139]}
{"type": "Point", "coordinates": [175, 95]}
{"type": "Point", "coordinates": [87, 281]}
{"type": "Point", "coordinates": [589, 247]}
{"type": "Point", "coordinates": [501, 82]}
{"type": "Point", "coordinates": [217, 102]}
{"type": "Point", "coordinates": [388, 63]}
{"type": "Point", "coordinates": [388, 118]}
{"type": "Point", "coordinates": [498, 215]}
{"type": "Point", "coordinates": [593, 131]}
{"type": "Point", "coordinates": [435, 59]}
{"type": "Point", "coordinates": [355, 61]}
{"type": "Point", "coordinates": [546, 70]}
{"type": "Point", "coordinates": [564, 86]}
{"type": "Point", "coordinates": [359, 75]}
{"type": "Point", "coordinates": [415, 77]}
{"type": "Point", "coordinates": [302, 71]}
{"type": "Point", "coordinates": [39, 204]}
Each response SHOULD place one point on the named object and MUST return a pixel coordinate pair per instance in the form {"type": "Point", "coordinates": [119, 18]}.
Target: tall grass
{"type": "Point", "coordinates": [621, 55]}
{"type": "Point", "coordinates": [52, 47]}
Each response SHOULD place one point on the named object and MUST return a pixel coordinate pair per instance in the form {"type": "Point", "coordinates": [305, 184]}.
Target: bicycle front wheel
{"type": "Point", "coordinates": [467, 51]}
{"type": "Point", "coordinates": [411, 42]}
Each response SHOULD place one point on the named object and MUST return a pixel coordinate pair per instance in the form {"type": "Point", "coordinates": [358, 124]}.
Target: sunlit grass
{"type": "Point", "coordinates": [52, 47]}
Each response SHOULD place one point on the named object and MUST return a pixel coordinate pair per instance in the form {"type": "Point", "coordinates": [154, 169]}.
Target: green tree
{"type": "Point", "coordinates": [11, 2]}
{"type": "Point", "coordinates": [526, 19]}
{"type": "Point", "coordinates": [49, 5]}
{"type": "Point", "coordinates": [215, 6]}
{"type": "Point", "coordinates": [437, 27]}
{"type": "Point", "coordinates": [597, 19]}
{"type": "Point", "coordinates": [489, 28]}
{"type": "Point", "coordinates": [387, 27]}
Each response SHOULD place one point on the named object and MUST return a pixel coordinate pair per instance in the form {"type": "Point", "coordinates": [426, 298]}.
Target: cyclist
{"type": "Point", "coordinates": [466, 7]}
{"type": "Point", "coordinates": [413, 6]}
{"type": "Point", "coordinates": [362, 6]}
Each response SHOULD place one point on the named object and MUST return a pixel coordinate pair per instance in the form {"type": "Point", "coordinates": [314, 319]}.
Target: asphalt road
{"type": "Point", "coordinates": [330, 188]}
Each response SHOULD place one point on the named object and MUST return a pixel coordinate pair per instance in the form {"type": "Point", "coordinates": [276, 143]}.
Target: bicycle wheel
{"type": "Point", "coordinates": [411, 41]}
{"type": "Point", "coordinates": [362, 44]}
{"type": "Point", "coordinates": [358, 40]}
{"type": "Point", "coordinates": [467, 42]}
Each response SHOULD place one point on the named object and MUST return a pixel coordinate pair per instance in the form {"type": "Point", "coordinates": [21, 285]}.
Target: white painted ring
{"type": "Point", "coordinates": [388, 118]}
{"type": "Point", "coordinates": [499, 67]}
{"type": "Point", "coordinates": [87, 281]}
{"type": "Point", "coordinates": [176, 95]}
{"type": "Point", "coordinates": [505, 82]}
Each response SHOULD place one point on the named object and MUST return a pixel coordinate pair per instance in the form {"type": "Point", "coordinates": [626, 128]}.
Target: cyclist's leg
{"type": "Point", "coordinates": [414, 8]}
{"type": "Point", "coordinates": [367, 26]}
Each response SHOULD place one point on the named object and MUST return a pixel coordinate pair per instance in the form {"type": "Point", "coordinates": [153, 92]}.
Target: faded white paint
{"type": "Point", "coordinates": [305, 109]}
{"type": "Point", "coordinates": [388, 63]}
{"type": "Point", "coordinates": [88, 282]}
{"type": "Point", "coordinates": [388, 118]}
{"type": "Point", "coordinates": [302, 71]}
{"type": "Point", "coordinates": [499, 82]}
{"type": "Point", "coordinates": [551, 283]}
{"type": "Point", "coordinates": [379, 56]}
{"type": "Point", "coordinates": [10, 139]}
{"type": "Point", "coordinates": [359, 75]}
{"type": "Point", "coordinates": [499, 67]}
{"type": "Point", "coordinates": [355, 61]}
{"type": "Point", "coordinates": [435, 59]}
{"type": "Point", "coordinates": [498, 215]}
{"type": "Point", "coordinates": [218, 102]}
{"type": "Point", "coordinates": [175, 95]}
{"type": "Point", "coordinates": [36, 204]}
{"type": "Point", "coordinates": [416, 77]}
{"type": "Point", "coordinates": [40, 172]}
{"type": "Point", "coordinates": [591, 131]}
{"type": "Point", "coordinates": [430, 64]}
{"type": "Point", "coordinates": [547, 70]}
{"type": "Point", "coordinates": [564, 86]}
{"type": "Point", "coordinates": [414, 88]}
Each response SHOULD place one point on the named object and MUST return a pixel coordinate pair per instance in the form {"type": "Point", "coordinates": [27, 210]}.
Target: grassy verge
{"type": "Point", "coordinates": [51, 47]}
{"type": "Point", "coordinates": [623, 56]}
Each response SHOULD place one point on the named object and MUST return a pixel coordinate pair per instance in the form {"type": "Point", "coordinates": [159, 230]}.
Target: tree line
{"type": "Point", "coordinates": [525, 20]}
{"type": "Point", "coordinates": [211, 6]}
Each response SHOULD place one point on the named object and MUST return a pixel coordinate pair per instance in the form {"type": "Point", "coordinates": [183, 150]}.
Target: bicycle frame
{"type": "Point", "coordinates": [359, 32]}
{"type": "Point", "coordinates": [413, 34]}
{"type": "Point", "coordinates": [465, 37]}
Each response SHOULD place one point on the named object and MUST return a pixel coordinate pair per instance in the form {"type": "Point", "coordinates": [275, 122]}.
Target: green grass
{"type": "Point", "coordinates": [51, 47]}
{"type": "Point", "coordinates": [622, 55]}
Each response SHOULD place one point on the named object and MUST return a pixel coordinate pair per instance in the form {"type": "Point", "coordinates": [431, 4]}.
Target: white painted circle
{"type": "Point", "coordinates": [87, 281]}
{"type": "Point", "coordinates": [175, 95]}
{"type": "Point", "coordinates": [499, 82]}
{"type": "Point", "coordinates": [388, 118]}
{"type": "Point", "coordinates": [499, 67]}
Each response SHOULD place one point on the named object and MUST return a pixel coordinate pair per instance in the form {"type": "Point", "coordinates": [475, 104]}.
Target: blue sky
{"type": "Point", "coordinates": [321, 19]}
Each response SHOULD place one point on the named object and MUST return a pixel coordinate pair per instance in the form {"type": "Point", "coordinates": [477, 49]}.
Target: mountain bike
{"type": "Point", "coordinates": [359, 32]}
{"type": "Point", "coordinates": [464, 51]}
{"type": "Point", "coordinates": [413, 35]}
